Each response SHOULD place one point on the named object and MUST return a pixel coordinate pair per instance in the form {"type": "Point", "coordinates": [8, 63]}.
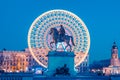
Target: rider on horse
{"type": "Point", "coordinates": [59, 37]}
{"type": "Point", "coordinates": [61, 33]}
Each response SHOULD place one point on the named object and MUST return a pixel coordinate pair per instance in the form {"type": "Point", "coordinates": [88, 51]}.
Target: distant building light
{"type": "Point", "coordinates": [33, 69]}
{"type": "Point", "coordinates": [17, 71]}
{"type": "Point", "coordinates": [26, 68]}
{"type": "Point", "coordinates": [38, 72]}
{"type": "Point", "coordinates": [10, 71]}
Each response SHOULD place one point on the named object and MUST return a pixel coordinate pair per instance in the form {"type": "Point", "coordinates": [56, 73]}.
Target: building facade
{"type": "Point", "coordinates": [84, 66]}
{"type": "Point", "coordinates": [22, 61]}
{"type": "Point", "coordinates": [16, 61]}
{"type": "Point", "coordinates": [114, 67]}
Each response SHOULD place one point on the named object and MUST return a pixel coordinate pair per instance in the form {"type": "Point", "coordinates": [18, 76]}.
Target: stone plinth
{"type": "Point", "coordinates": [57, 60]}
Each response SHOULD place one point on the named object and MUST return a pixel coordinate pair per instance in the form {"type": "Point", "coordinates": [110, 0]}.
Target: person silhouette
{"type": "Point", "coordinates": [61, 33]}
{"type": "Point", "coordinates": [62, 30]}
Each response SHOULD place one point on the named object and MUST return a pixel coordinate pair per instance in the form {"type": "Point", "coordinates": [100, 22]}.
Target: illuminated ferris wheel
{"type": "Point", "coordinates": [39, 38]}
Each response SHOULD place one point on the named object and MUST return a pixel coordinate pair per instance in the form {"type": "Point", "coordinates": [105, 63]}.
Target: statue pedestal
{"type": "Point", "coordinates": [60, 63]}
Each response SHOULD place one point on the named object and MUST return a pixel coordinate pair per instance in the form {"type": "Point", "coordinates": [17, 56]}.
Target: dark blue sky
{"type": "Point", "coordinates": [102, 18]}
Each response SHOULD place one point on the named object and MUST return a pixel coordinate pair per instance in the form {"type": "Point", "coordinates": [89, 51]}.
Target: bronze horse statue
{"type": "Point", "coordinates": [60, 36]}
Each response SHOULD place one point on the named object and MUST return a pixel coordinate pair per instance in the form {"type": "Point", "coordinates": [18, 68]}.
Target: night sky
{"type": "Point", "coordinates": [102, 18]}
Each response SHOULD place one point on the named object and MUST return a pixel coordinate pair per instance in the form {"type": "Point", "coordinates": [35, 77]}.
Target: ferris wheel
{"type": "Point", "coordinates": [39, 38]}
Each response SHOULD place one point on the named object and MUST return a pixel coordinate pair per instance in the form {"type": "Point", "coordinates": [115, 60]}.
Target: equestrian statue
{"type": "Point", "coordinates": [60, 36]}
